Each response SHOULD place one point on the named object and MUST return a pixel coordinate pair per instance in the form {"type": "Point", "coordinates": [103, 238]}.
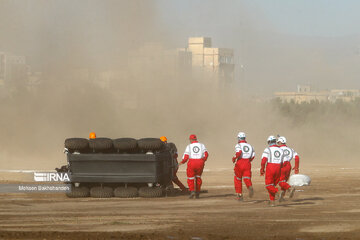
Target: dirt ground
{"type": "Point", "coordinates": [328, 209]}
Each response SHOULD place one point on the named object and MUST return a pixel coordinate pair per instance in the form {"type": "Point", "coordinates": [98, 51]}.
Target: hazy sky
{"type": "Point", "coordinates": [315, 18]}
{"type": "Point", "coordinates": [278, 43]}
{"type": "Point", "coordinates": [326, 18]}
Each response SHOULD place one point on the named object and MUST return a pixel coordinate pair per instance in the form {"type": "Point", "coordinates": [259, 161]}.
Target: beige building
{"type": "Point", "coordinates": [154, 57]}
{"type": "Point", "coordinates": [216, 61]}
{"type": "Point", "coordinates": [198, 56]}
{"type": "Point", "coordinates": [305, 94]}
{"type": "Point", "coordinates": [346, 95]}
{"type": "Point", "coordinates": [14, 73]}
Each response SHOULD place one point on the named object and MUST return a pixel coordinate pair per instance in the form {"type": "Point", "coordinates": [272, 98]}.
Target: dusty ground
{"type": "Point", "coordinates": [325, 210]}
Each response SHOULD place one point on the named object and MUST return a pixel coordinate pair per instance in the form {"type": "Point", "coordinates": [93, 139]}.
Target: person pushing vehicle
{"type": "Point", "coordinates": [174, 153]}
{"type": "Point", "coordinates": [196, 155]}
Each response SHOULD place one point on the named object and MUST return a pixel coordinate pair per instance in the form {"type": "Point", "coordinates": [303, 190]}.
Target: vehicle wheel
{"type": "Point", "coordinates": [101, 192]}
{"type": "Point", "coordinates": [77, 144]}
{"type": "Point", "coordinates": [101, 144]}
{"type": "Point", "coordinates": [172, 147]}
{"type": "Point", "coordinates": [150, 192]}
{"type": "Point", "coordinates": [148, 144]}
{"type": "Point", "coordinates": [125, 144]}
{"type": "Point", "coordinates": [126, 192]}
{"type": "Point", "coordinates": [78, 192]}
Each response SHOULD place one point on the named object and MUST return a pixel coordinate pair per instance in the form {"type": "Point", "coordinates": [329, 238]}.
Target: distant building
{"type": "Point", "coordinates": [345, 95]}
{"type": "Point", "coordinates": [303, 88]}
{"type": "Point", "coordinates": [14, 73]}
{"type": "Point", "coordinates": [155, 58]}
{"type": "Point", "coordinates": [305, 94]}
{"type": "Point", "coordinates": [217, 61]}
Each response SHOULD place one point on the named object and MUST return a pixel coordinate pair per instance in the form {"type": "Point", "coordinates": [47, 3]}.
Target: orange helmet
{"type": "Point", "coordinates": [92, 135]}
{"type": "Point", "coordinates": [164, 139]}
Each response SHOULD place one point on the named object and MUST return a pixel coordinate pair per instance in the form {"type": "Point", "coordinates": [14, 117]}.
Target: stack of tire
{"type": "Point", "coordinates": [119, 146]}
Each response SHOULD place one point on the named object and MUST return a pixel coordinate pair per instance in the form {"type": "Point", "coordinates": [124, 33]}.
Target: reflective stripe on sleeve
{"type": "Point", "coordinates": [191, 178]}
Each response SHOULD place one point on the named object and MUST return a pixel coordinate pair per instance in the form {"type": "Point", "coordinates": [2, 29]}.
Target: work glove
{"type": "Point", "coordinates": [233, 159]}
{"type": "Point", "coordinates": [296, 170]}
{"type": "Point", "coordinates": [262, 172]}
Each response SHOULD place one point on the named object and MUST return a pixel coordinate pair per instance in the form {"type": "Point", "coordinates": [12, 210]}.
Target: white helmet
{"type": "Point", "coordinates": [271, 139]}
{"type": "Point", "coordinates": [282, 140]}
{"type": "Point", "coordinates": [241, 135]}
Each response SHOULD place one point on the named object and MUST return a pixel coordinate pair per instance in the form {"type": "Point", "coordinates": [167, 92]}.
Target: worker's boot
{"type": "Point", "coordinates": [192, 195]}
{"type": "Point", "coordinates": [277, 195]}
{"type": "Point", "coordinates": [251, 192]}
{"type": "Point", "coordinates": [292, 192]}
{"type": "Point", "coordinates": [197, 195]}
{"type": "Point", "coordinates": [239, 197]}
{"type": "Point", "coordinates": [282, 195]}
{"type": "Point", "coordinates": [185, 191]}
{"type": "Point", "coordinates": [272, 203]}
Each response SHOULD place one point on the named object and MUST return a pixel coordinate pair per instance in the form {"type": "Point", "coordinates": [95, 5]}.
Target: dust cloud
{"type": "Point", "coordinates": [142, 100]}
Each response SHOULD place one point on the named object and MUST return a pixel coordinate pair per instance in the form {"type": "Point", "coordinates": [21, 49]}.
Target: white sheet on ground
{"type": "Point", "coordinates": [299, 180]}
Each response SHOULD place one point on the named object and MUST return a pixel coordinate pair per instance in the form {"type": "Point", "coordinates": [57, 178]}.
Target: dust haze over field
{"type": "Point", "coordinates": [59, 37]}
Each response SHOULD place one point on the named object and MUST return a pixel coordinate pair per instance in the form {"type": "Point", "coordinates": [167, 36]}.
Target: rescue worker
{"type": "Point", "coordinates": [92, 135]}
{"type": "Point", "coordinates": [272, 158]}
{"type": "Point", "coordinates": [175, 179]}
{"type": "Point", "coordinates": [244, 154]}
{"type": "Point", "coordinates": [289, 154]}
{"type": "Point", "coordinates": [196, 154]}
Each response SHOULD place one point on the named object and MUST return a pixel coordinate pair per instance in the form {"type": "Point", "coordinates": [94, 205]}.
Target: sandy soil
{"type": "Point", "coordinates": [328, 209]}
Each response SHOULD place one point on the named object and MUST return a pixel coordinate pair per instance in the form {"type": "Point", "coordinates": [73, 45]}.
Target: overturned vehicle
{"type": "Point", "coordinates": [123, 167]}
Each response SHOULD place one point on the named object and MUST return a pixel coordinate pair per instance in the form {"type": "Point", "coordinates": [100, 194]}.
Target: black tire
{"type": "Point", "coordinates": [126, 192]}
{"type": "Point", "coordinates": [101, 192]}
{"type": "Point", "coordinates": [103, 145]}
{"type": "Point", "coordinates": [151, 192]}
{"type": "Point", "coordinates": [150, 144]}
{"type": "Point", "coordinates": [77, 144]}
{"type": "Point", "coordinates": [78, 192]}
{"type": "Point", "coordinates": [172, 147]}
{"type": "Point", "coordinates": [125, 144]}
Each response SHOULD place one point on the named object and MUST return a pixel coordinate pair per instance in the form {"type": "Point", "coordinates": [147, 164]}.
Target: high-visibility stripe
{"type": "Point", "coordinates": [238, 178]}
{"type": "Point", "coordinates": [283, 181]}
{"type": "Point", "coordinates": [270, 155]}
{"type": "Point", "coordinates": [269, 185]}
{"type": "Point", "coordinates": [191, 178]}
{"type": "Point", "coordinates": [246, 177]}
{"type": "Point", "coordinates": [198, 176]}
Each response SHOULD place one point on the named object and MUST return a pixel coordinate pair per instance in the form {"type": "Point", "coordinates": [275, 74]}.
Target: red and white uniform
{"type": "Point", "coordinates": [273, 159]}
{"type": "Point", "coordinates": [196, 154]}
{"type": "Point", "coordinates": [289, 154]}
{"type": "Point", "coordinates": [245, 153]}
